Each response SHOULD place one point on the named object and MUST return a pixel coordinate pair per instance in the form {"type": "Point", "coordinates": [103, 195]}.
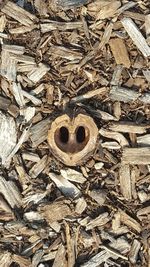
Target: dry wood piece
{"type": "Point", "coordinates": [125, 181]}
{"type": "Point", "coordinates": [10, 192]}
{"type": "Point", "coordinates": [38, 167]}
{"type": "Point", "coordinates": [123, 94]}
{"type": "Point", "coordinates": [66, 187]}
{"type": "Point", "coordinates": [54, 212]}
{"type": "Point", "coordinates": [136, 36]}
{"type": "Point", "coordinates": [116, 136]}
{"type": "Point", "coordinates": [6, 213]}
{"type": "Point", "coordinates": [8, 136]}
{"type": "Point", "coordinates": [119, 51]}
{"type": "Point", "coordinates": [38, 72]}
{"type": "Point", "coordinates": [89, 94]}
{"type": "Point", "coordinates": [73, 176]}
{"type": "Point", "coordinates": [133, 255]}
{"type": "Point", "coordinates": [101, 220]}
{"type": "Point", "coordinates": [38, 132]}
{"type": "Point", "coordinates": [143, 140]}
{"type": "Point", "coordinates": [51, 25]}
{"type": "Point", "coordinates": [128, 127]}
{"type": "Point", "coordinates": [108, 10]}
{"type": "Point", "coordinates": [73, 140]}
{"type": "Point", "coordinates": [66, 4]}
{"type": "Point", "coordinates": [130, 222]}
{"type": "Point", "coordinates": [139, 155]}
{"type": "Point", "coordinates": [64, 52]}
{"type": "Point", "coordinates": [18, 13]}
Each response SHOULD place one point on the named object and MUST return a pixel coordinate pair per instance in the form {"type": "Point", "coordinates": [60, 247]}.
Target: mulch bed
{"type": "Point", "coordinates": [66, 57]}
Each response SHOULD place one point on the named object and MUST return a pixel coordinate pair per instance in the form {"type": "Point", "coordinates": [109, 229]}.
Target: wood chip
{"type": "Point", "coordinates": [128, 127]}
{"type": "Point", "coordinates": [125, 181]}
{"type": "Point", "coordinates": [136, 36]}
{"type": "Point", "coordinates": [19, 14]}
{"type": "Point", "coordinates": [136, 156]}
{"type": "Point", "coordinates": [8, 137]}
{"type": "Point", "coordinates": [67, 188]}
{"type": "Point", "coordinates": [119, 51]}
{"type": "Point", "coordinates": [54, 212]}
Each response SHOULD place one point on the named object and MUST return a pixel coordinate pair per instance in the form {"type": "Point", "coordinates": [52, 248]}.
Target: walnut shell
{"type": "Point", "coordinates": [72, 140]}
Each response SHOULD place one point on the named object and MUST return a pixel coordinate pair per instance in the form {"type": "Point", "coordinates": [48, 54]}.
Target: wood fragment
{"type": "Point", "coordinates": [123, 94]}
{"type": "Point", "coordinates": [136, 155]}
{"type": "Point", "coordinates": [18, 13]}
{"type": "Point", "coordinates": [120, 52]}
{"type": "Point", "coordinates": [133, 255]}
{"type": "Point", "coordinates": [125, 181]}
{"type": "Point", "coordinates": [116, 136]}
{"type": "Point", "coordinates": [67, 188]}
{"type": "Point", "coordinates": [136, 36]}
{"type": "Point", "coordinates": [54, 212]}
{"type": "Point", "coordinates": [130, 222]}
{"type": "Point", "coordinates": [128, 127]}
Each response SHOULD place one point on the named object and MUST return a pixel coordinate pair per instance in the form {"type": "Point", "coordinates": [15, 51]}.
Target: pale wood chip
{"type": "Point", "coordinates": [101, 220]}
{"type": "Point", "coordinates": [133, 255]}
{"type": "Point", "coordinates": [128, 127]}
{"type": "Point", "coordinates": [51, 25]}
{"type": "Point", "coordinates": [39, 167]}
{"type": "Point", "coordinates": [125, 181]}
{"type": "Point", "coordinates": [136, 36]}
{"type": "Point", "coordinates": [70, 247]}
{"type": "Point", "coordinates": [116, 136]}
{"type": "Point", "coordinates": [143, 140]}
{"type": "Point", "coordinates": [36, 101]}
{"type": "Point", "coordinates": [108, 10]}
{"type": "Point", "coordinates": [2, 23]}
{"type": "Point", "coordinates": [5, 259]}
{"type": "Point", "coordinates": [130, 222]}
{"type": "Point", "coordinates": [14, 49]}
{"type": "Point", "coordinates": [67, 188]}
{"type": "Point", "coordinates": [30, 156]}
{"type": "Point", "coordinates": [18, 13]}
{"type": "Point", "coordinates": [73, 176]}
{"type": "Point", "coordinates": [111, 145]}
{"type": "Point", "coordinates": [147, 24]}
{"type": "Point", "coordinates": [144, 212]}
{"type": "Point", "coordinates": [8, 136]}
{"type": "Point", "coordinates": [6, 214]}
{"type": "Point", "coordinates": [60, 260]}
{"type": "Point", "coordinates": [106, 36]}
{"type": "Point", "coordinates": [10, 192]}
{"type": "Point", "coordinates": [99, 196]}
{"type": "Point", "coordinates": [55, 211]}
{"type": "Point", "coordinates": [123, 94]}
{"type": "Point", "coordinates": [80, 206]}
{"type": "Point", "coordinates": [64, 52]}
{"type": "Point", "coordinates": [38, 72]}
{"type": "Point", "coordinates": [119, 51]}
{"type": "Point", "coordinates": [18, 94]}
{"type": "Point", "coordinates": [22, 261]}
{"type": "Point", "coordinates": [23, 138]}
{"type": "Point", "coordinates": [39, 132]}
{"type": "Point", "coordinates": [22, 29]}
{"type": "Point", "coordinates": [136, 155]}
{"type": "Point", "coordinates": [8, 66]}
{"type": "Point", "coordinates": [89, 94]}
{"type": "Point", "coordinates": [116, 77]}
{"type": "Point", "coordinates": [98, 259]}
{"type": "Point", "coordinates": [147, 74]}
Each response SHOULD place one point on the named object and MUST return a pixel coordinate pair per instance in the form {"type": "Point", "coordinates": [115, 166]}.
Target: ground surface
{"type": "Point", "coordinates": [94, 57]}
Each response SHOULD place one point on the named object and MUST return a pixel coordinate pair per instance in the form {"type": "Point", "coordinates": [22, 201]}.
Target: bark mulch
{"type": "Point", "coordinates": [70, 57]}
